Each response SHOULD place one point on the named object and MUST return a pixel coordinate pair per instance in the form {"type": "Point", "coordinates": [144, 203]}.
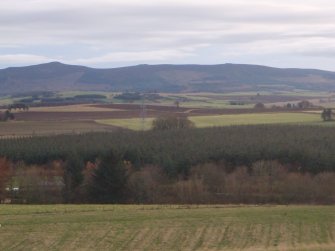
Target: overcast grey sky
{"type": "Point", "coordinates": [111, 33]}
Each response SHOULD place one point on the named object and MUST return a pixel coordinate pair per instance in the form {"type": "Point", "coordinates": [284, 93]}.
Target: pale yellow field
{"type": "Point", "coordinates": [226, 120]}
{"type": "Point", "coordinates": [135, 124]}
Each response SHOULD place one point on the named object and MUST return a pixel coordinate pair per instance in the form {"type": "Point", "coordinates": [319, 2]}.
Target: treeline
{"type": "Point", "coordinates": [37, 99]}
{"type": "Point", "coordinates": [135, 96]}
{"type": "Point", "coordinates": [111, 180]}
{"type": "Point", "coordinates": [244, 164]}
{"type": "Point", "coordinates": [309, 148]}
{"type": "Point", "coordinates": [262, 182]}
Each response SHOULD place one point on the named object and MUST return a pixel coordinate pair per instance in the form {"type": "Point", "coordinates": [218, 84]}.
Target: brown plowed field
{"type": "Point", "coordinates": [33, 128]}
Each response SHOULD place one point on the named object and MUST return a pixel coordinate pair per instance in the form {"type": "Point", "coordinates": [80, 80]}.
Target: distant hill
{"type": "Point", "coordinates": [163, 78]}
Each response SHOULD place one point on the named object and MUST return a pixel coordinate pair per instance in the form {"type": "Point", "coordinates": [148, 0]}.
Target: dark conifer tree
{"type": "Point", "coordinates": [109, 180]}
{"type": "Point", "coordinates": [73, 176]}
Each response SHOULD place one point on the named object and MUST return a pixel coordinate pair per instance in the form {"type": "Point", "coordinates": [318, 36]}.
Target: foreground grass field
{"type": "Point", "coordinates": [115, 227]}
{"type": "Point", "coordinates": [227, 120]}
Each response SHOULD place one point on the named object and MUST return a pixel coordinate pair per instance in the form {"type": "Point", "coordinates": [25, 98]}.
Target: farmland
{"type": "Point", "coordinates": [167, 125]}
{"type": "Point", "coordinates": [226, 120]}
{"type": "Point", "coordinates": [117, 227]}
{"type": "Point", "coordinates": [237, 154]}
{"type": "Point", "coordinates": [204, 109]}
{"type": "Point", "coordinates": [135, 124]}
{"type": "Point", "coordinates": [95, 118]}
{"type": "Point", "coordinates": [253, 119]}
{"type": "Point", "coordinates": [33, 128]}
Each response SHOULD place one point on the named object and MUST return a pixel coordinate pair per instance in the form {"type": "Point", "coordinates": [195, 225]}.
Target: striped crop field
{"type": "Point", "coordinates": [135, 227]}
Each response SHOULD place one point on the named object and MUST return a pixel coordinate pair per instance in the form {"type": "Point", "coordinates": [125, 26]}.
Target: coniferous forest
{"type": "Point", "coordinates": [243, 164]}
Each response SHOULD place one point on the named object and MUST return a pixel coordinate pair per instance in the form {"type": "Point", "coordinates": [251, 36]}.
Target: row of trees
{"type": "Point", "coordinates": [111, 180]}
{"type": "Point", "coordinates": [171, 122]}
{"type": "Point", "coordinates": [262, 182]}
{"type": "Point", "coordinates": [18, 106]}
{"type": "Point", "coordinates": [70, 181]}
{"type": "Point", "coordinates": [304, 104]}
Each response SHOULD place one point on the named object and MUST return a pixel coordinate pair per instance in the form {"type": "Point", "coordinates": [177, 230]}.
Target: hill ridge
{"type": "Point", "coordinates": [57, 76]}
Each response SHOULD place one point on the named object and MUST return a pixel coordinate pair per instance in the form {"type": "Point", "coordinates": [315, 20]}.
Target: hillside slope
{"type": "Point", "coordinates": [56, 76]}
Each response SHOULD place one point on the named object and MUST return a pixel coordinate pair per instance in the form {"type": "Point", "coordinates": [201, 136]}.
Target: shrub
{"type": "Point", "coordinates": [171, 122]}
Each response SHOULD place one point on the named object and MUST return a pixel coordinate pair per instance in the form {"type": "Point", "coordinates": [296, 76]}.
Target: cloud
{"type": "Point", "coordinates": [21, 59]}
{"type": "Point", "coordinates": [158, 55]}
{"type": "Point", "coordinates": [148, 31]}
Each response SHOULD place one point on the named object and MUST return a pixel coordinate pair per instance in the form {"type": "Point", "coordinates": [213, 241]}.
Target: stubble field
{"type": "Point", "coordinates": [117, 227]}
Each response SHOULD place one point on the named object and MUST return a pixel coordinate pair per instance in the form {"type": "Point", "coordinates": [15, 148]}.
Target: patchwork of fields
{"type": "Point", "coordinates": [204, 109]}
{"type": "Point", "coordinates": [53, 120]}
{"type": "Point", "coordinates": [116, 227]}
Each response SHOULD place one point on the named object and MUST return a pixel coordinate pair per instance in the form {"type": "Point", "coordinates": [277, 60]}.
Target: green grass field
{"type": "Point", "coordinates": [115, 227]}
{"type": "Point", "coordinates": [227, 120]}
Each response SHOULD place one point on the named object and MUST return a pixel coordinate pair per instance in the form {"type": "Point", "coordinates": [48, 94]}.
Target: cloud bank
{"type": "Point", "coordinates": [110, 33]}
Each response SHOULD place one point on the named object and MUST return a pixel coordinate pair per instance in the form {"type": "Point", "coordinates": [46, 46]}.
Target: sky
{"type": "Point", "coordinates": [114, 33]}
